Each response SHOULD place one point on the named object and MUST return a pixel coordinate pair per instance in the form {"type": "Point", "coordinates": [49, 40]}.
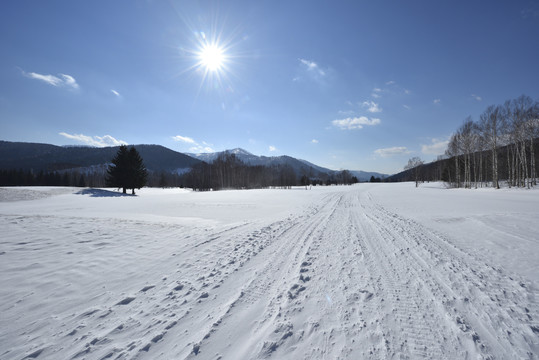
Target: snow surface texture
{"type": "Point", "coordinates": [358, 272]}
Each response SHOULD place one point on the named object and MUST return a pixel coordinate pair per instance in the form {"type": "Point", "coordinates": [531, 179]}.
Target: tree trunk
{"type": "Point", "coordinates": [495, 168]}
{"type": "Point", "coordinates": [532, 163]}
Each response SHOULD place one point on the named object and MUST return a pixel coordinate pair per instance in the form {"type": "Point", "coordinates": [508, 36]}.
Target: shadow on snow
{"type": "Point", "coordinates": [101, 193]}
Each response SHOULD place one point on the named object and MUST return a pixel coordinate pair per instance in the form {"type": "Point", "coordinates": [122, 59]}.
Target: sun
{"type": "Point", "coordinates": [212, 57]}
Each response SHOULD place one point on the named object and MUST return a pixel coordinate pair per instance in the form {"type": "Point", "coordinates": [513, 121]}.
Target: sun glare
{"type": "Point", "coordinates": [212, 57]}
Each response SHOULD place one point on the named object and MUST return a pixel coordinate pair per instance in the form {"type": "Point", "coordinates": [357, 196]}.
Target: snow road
{"type": "Point", "coordinates": [331, 273]}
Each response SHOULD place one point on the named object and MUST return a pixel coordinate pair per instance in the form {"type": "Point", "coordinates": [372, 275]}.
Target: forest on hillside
{"type": "Point", "coordinates": [502, 146]}
{"type": "Point", "coordinates": [226, 172]}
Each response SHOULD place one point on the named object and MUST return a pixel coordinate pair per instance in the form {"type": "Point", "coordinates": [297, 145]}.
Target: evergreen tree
{"type": "Point", "coordinates": [127, 170]}
{"type": "Point", "coordinates": [138, 175]}
{"type": "Point", "coordinates": [81, 183]}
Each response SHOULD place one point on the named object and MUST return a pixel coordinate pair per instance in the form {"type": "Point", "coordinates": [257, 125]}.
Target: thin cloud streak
{"type": "Point", "coordinates": [312, 66]}
{"type": "Point", "coordinates": [392, 151]}
{"type": "Point", "coordinates": [476, 97]}
{"type": "Point", "coordinates": [97, 141]}
{"type": "Point", "coordinates": [196, 148]}
{"type": "Point", "coordinates": [184, 139]}
{"type": "Point", "coordinates": [63, 80]}
{"type": "Point", "coordinates": [355, 123]}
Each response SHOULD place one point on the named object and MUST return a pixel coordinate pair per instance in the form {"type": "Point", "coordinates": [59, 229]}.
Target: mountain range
{"type": "Point", "coordinates": [157, 158]}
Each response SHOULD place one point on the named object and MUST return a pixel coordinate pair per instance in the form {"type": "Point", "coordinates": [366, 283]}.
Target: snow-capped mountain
{"type": "Point", "coordinates": [36, 157]}
{"type": "Point", "coordinates": [300, 166]}
{"type": "Point", "coordinates": [241, 154]}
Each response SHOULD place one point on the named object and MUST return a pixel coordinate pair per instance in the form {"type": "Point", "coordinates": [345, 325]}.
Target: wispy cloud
{"type": "Point", "coordinates": [371, 106]}
{"type": "Point", "coordinates": [201, 149]}
{"type": "Point", "coordinates": [314, 141]}
{"type": "Point", "coordinates": [391, 88]}
{"type": "Point", "coordinates": [392, 151]}
{"type": "Point", "coordinates": [69, 81]}
{"type": "Point", "coordinates": [195, 146]}
{"type": "Point", "coordinates": [272, 148]}
{"type": "Point", "coordinates": [355, 123]}
{"type": "Point", "coordinates": [436, 147]}
{"type": "Point", "coordinates": [376, 93]}
{"type": "Point", "coordinates": [312, 66]}
{"type": "Point", "coordinates": [97, 141]}
{"type": "Point", "coordinates": [184, 139]}
{"type": "Point", "coordinates": [406, 107]}
{"type": "Point", "coordinates": [476, 97]}
{"type": "Point", "coordinates": [311, 70]}
{"type": "Point", "coordinates": [62, 80]}
{"type": "Point", "coordinates": [436, 101]}
{"type": "Point", "coordinates": [115, 92]}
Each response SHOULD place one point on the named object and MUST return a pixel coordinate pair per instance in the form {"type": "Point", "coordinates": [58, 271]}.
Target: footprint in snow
{"type": "Point", "coordinates": [126, 301]}
{"type": "Point", "coordinates": [35, 354]}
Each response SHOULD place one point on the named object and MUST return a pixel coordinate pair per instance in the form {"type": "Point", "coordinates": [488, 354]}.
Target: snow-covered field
{"type": "Point", "coordinates": [365, 271]}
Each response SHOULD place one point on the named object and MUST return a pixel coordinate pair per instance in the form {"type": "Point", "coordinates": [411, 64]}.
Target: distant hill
{"type": "Point", "coordinates": [157, 158]}
{"type": "Point", "coordinates": [301, 167]}
{"type": "Point", "coordinates": [46, 157]}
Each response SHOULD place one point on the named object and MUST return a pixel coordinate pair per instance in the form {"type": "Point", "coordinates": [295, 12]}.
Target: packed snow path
{"type": "Point", "coordinates": [340, 277]}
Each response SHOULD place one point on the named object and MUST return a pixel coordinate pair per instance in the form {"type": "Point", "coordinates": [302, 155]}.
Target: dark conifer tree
{"type": "Point", "coordinates": [138, 174]}
{"type": "Point", "coordinates": [127, 170]}
{"type": "Point", "coordinates": [81, 183]}
{"type": "Point", "coordinates": [118, 172]}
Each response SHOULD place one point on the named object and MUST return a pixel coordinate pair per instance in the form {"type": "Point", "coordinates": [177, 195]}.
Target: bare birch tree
{"type": "Point", "coordinates": [492, 125]}
{"type": "Point", "coordinates": [415, 164]}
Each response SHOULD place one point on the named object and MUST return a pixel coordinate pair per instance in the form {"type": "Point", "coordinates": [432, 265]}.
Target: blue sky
{"type": "Point", "coordinates": [361, 85]}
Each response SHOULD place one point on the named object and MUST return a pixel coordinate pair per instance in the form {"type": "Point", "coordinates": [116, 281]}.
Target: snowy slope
{"type": "Point", "coordinates": [297, 164]}
{"type": "Point", "coordinates": [242, 154]}
{"type": "Point", "coordinates": [366, 271]}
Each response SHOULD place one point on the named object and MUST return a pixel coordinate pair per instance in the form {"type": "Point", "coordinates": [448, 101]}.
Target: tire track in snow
{"type": "Point", "coordinates": [345, 278]}
{"type": "Point", "coordinates": [268, 288]}
{"type": "Point", "coordinates": [471, 307]}
{"type": "Point", "coordinates": [130, 325]}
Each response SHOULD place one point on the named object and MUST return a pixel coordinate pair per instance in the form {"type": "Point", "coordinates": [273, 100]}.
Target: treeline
{"type": "Point", "coordinates": [95, 177]}
{"type": "Point", "coordinates": [229, 172]}
{"type": "Point", "coordinates": [443, 169]}
{"type": "Point", "coordinates": [226, 172]}
{"type": "Point", "coordinates": [475, 149]}
{"type": "Point", "coordinates": [42, 178]}
{"type": "Point", "coordinates": [503, 146]}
